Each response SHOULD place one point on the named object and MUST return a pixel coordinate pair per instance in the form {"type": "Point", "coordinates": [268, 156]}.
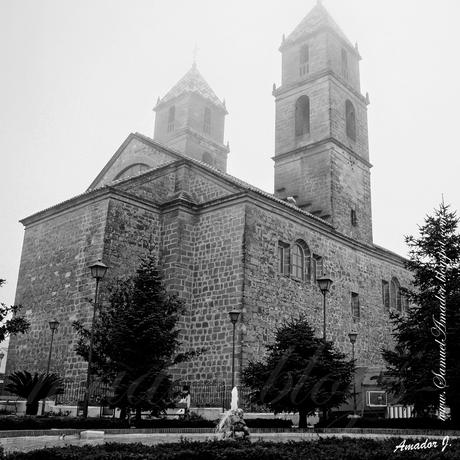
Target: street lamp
{"type": "Point", "coordinates": [53, 326]}
{"type": "Point", "coordinates": [324, 284]}
{"type": "Point", "coordinates": [234, 314]}
{"type": "Point", "coordinates": [352, 336]}
{"type": "Point", "coordinates": [98, 271]}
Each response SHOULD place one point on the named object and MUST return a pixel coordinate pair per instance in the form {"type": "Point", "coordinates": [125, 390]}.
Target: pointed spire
{"type": "Point", "coordinates": [317, 18]}
{"type": "Point", "coordinates": [193, 82]}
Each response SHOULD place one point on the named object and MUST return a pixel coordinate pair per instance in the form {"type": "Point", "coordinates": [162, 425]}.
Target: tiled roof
{"type": "Point", "coordinates": [318, 17]}
{"type": "Point", "coordinates": [193, 82]}
{"type": "Point", "coordinates": [232, 179]}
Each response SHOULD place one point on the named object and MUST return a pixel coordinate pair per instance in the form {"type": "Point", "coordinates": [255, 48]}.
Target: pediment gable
{"type": "Point", "coordinates": [133, 157]}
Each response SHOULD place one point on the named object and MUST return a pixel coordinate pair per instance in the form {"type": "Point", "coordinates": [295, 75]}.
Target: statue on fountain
{"type": "Point", "coordinates": [232, 424]}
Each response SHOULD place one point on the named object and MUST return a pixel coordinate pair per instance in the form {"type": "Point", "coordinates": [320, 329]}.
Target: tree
{"type": "Point", "coordinates": [16, 324]}
{"type": "Point", "coordinates": [136, 340]}
{"type": "Point", "coordinates": [33, 388]}
{"type": "Point", "coordinates": [411, 364]}
{"type": "Point", "coordinates": [301, 373]}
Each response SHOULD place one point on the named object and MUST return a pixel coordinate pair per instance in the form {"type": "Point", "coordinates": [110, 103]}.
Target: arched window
{"type": "Point", "coordinates": [132, 170]}
{"type": "Point", "coordinates": [207, 120]}
{"type": "Point", "coordinates": [304, 60]}
{"type": "Point", "coordinates": [171, 118]}
{"type": "Point", "coordinates": [350, 120]}
{"type": "Point", "coordinates": [297, 262]}
{"type": "Point", "coordinates": [300, 260]}
{"type": "Point", "coordinates": [395, 294]}
{"type": "Point", "coordinates": [302, 116]}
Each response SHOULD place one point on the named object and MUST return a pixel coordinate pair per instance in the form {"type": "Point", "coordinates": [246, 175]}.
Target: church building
{"type": "Point", "coordinates": [222, 243]}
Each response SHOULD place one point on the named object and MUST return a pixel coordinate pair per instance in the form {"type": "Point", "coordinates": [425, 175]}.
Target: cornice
{"type": "Point", "coordinates": [302, 218]}
{"type": "Point", "coordinates": [190, 131]}
{"type": "Point", "coordinates": [180, 96]}
{"type": "Point", "coordinates": [310, 147]}
{"type": "Point", "coordinates": [83, 200]}
{"type": "Point", "coordinates": [282, 90]}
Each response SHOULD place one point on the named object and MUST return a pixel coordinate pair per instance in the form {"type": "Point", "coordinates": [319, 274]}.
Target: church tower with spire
{"type": "Point", "coordinates": [190, 118]}
{"type": "Point", "coordinates": [321, 140]}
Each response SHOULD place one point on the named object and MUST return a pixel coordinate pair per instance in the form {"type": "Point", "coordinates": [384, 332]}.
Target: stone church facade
{"type": "Point", "coordinates": [223, 244]}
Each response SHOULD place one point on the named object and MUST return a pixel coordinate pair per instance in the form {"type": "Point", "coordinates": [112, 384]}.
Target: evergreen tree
{"type": "Point", "coordinates": [301, 373]}
{"type": "Point", "coordinates": [416, 355]}
{"type": "Point", "coordinates": [10, 320]}
{"type": "Point", "coordinates": [136, 340]}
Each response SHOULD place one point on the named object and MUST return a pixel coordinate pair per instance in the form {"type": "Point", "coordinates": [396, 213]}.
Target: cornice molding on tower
{"type": "Point", "coordinates": [284, 89]}
{"type": "Point", "coordinates": [310, 148]}
{"type": "Point", "coordinates": [192, 132]}
{"type": "Point", "coordinates": [175, 99]}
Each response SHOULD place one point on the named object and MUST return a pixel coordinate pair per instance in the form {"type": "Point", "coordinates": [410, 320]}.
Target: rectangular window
{"type": "Point", "coordinates": [283, 258]}
{"type": "Point", "coordinates": [207, 121]}
{"type": "Point", "coordinates": [304, 60]}
{"type": "Point", "coordinates": [171, 118]}
{"type": "Point", "coordinates": [354, 220]}
{"type": "Point", "coordinates": [404, 303]}
{"type": "Point", "coordinates": [355, 313]}
{"type": "Point", "coordinates": [376, 398]}
{"type": "Point", "coordinates": [317, 267]}
{"type": "Point", "coordinates": [386, 294]}
{"type": "Point", "coordinates": [344, 64]}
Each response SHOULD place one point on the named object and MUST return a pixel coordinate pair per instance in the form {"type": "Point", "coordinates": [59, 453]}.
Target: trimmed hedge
{"type": "Point", "coordinates": [322, 449]}
{"type": "Point", "coordinates": [268, 423]}
{"type": "Point", "coordinates": [46, 423]}
{"type": "Point", "coordinates": [395, 423]}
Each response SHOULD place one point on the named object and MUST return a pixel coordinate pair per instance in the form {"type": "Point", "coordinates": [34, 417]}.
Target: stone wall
{"type": "Point", "coordinates": [318, 59]}
{"type": "Point", "coordinates": [338, 96]}
{"type": "Point", "coordinates": [217, 257]}
{"type": "Point", "coordinates": [351, 190]}
{"type": "Point", "coordinates": [216, 269]}
{"type": "Point", "coordinates": [271, 298]}
{"type": "Point", "coordinates": [317, 91]}
{"type": "Point", "coordinates": [54, 284]}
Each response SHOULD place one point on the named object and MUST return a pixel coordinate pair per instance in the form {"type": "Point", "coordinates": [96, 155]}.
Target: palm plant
{"type": "Point", "coordinates": [33, 388]}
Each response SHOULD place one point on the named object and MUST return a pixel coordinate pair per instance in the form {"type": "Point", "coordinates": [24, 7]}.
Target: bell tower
{"type": "Point", "coordinates": [190, 118]}
{"type": "Point", "coordinates": [321, 140]}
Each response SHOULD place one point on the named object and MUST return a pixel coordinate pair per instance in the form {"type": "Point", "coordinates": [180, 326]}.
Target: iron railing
{"type": "Point", "coordinates": [202, 394]}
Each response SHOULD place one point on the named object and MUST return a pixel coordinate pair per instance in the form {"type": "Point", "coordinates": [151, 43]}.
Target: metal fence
{"type": "Point", "coordinates": [73, 393]}
{"type": "Point", "coordinates": [202, 394]}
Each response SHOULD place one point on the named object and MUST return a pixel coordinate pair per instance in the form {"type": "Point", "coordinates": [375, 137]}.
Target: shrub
{"type": "Point", "coordinates": [395, 423]}
{"type": "Point", "coordinates": [268, 423]}
{"type": "Point", "coordinates": [46, 423]}
{"type": "Point", "coordinates": [321, 449]}
{"type": "Point", "coordinates": [33, 388]}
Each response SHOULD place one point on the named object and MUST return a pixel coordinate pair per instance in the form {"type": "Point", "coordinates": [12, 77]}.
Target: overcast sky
{"type": "Point", "coordinates": [77, 77]}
